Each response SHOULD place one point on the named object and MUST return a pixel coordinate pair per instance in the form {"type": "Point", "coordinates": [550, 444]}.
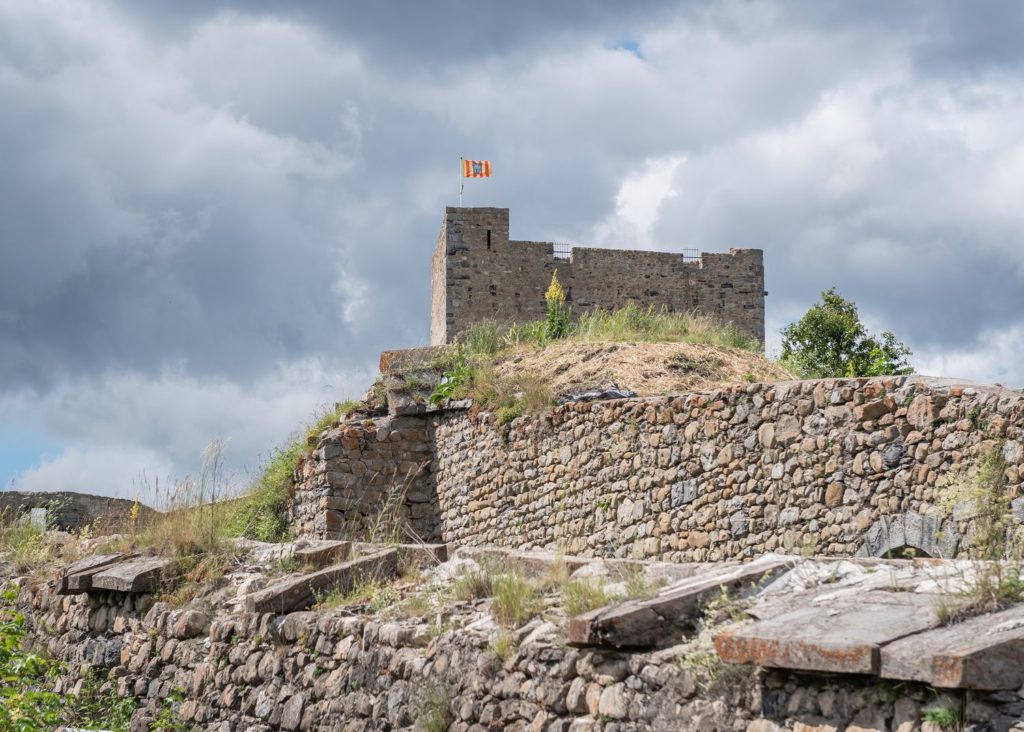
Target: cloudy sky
{"type": "Point", "coordinates": [214, 215]}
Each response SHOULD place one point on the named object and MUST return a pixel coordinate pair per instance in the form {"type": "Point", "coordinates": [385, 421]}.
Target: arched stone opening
{"type": "Point", "coordinates": [912, 534]}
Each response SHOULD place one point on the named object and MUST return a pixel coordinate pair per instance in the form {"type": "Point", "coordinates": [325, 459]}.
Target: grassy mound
{"type": "Point", "coordinates": [522, 369]}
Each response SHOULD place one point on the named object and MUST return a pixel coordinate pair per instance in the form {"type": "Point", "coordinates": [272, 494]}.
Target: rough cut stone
{"type": "Point", "coordinates": [142, 574]}
{"type": "Point", "coordinates": [843, 636]}
{"type": "Point", "coordinates": [984, 652]}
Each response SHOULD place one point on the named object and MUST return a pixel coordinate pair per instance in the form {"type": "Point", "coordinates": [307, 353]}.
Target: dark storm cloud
{"type": "Point", "coordinates": [447, 31]}
{"type": "Point", "coordinates": [219, 212]}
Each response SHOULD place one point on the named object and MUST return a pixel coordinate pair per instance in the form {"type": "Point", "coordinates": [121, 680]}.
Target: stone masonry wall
{"type": "Point", "coordinates": [834, 467]}
{"type": "Point", "coordinates": [361, 470]}
{"type": "Point", "coordinates": [331, 670]}
{"type": "Point", "coordinates": [479, 274]}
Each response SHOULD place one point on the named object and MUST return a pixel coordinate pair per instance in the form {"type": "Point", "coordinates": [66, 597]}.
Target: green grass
{"type": "Point", "coordinates": [583, 595]}
{"type": "Point", "coordinates": [635, 323]}
{"type": "Point", "coordinates": [472, 585]}
{"type": "Point", "coordinates": [515, 600]}
{"type": "Point", "coordinates": [260, 512]}
{"type": "Point", "coordinates": [944, 717]}
{"type": "Point", "coordinates": [626, 324]}
{"type": "Point", "coordinates": [373, 592]}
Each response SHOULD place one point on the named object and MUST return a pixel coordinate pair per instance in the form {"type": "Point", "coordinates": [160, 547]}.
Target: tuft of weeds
{"type": "Point", "coordinates": [636, 585]}
{"type": "Point", "coordinates": [433, 708]}
{"type": "Point", "coordinates": [944, 717]}
{"type": "Point", "coordinates": [714, 677]}
{"type": "Point", "coordinates": [373, 592]}
{"type": "Point", "coordinates": [503, 646]}
{"type": "Point", "coordinates": [474, 584]}
{"type": "Point", "coordinates": [515, 600]}
{"type": "Point", "coordinates": [583, 595]}
{"type": "Point", "coordinates": [23, 541]}
{"type": "Point", "coordinates": [390, 526]}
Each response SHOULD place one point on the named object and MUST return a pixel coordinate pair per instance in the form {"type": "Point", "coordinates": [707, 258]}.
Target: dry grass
{"type": "Point", "coordinates": [647, 368]}
{"type": "Point", "coordinates": [22, 542]}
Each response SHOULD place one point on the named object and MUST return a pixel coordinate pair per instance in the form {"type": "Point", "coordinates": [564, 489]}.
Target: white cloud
{"type": "Point", "coordinates": [125, 425]}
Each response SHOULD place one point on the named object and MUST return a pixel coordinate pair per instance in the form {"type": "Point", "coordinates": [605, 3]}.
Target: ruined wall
{"type": "Point", "coordinates": [69, 510]}
{"type": "Point", "coordinates": [834, 467]}
{"type": "Point", "coordinates": [331, 670]}
{"type": "Point", "coordinates": [365, 474]}
{"type": "Point", "coordinates": [479, 274]}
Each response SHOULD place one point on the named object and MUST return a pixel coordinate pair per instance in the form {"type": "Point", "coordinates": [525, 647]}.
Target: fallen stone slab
{"type": "Point", "coordinates": [142, 574]}
{"type": "Point", "coordinates": [843, 636]}
{"type": "Point", "coordinates": [297, 593]}
{"type": "Point", "coordinates": [77, 578]}
{"type": "Point", "coordinates": [421, 555]}
{"type": "Point", "coordinates": [323, 553]}
{"type": "Point", "coordinates": [644, 623]}
{"type": "Point", "coordinates": [984, 652]}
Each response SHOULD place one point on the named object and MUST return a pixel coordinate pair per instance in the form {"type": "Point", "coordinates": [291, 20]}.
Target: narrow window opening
{"type": "Point", "coordinates": [488, 240]}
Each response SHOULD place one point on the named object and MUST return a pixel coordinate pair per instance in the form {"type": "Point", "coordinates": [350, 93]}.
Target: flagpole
{"type": "Point", "coordinates": [462, 182]}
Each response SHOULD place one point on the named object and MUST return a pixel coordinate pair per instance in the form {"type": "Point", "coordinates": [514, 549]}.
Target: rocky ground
{"type": "Point", "coordinates": [489, 640]}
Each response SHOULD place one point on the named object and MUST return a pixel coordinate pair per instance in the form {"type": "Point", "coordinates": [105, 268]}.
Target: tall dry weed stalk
{"type": "Point", "coordinates": [994, 581]}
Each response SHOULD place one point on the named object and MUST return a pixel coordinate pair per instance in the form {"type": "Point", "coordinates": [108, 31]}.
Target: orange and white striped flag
{"type": "Point", "coordinates": [476, 168]}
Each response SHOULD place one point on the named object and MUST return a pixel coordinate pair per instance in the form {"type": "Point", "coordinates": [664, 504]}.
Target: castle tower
{"type": "Point", "coordinates": [479, 274]}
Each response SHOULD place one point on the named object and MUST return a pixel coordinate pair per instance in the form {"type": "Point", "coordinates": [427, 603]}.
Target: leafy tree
{"type": "Point", "coordinates": [830, 341]}
{"type": "Point", "coordinates": [26, 702]}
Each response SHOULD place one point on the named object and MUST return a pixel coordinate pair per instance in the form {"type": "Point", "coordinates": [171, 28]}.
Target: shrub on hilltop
{"type": "Point", "coordinates": [830, 341]}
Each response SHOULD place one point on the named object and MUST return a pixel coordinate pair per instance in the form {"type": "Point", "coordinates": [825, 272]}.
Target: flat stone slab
{"type": "Point", "coordinates": [983, 652]}
{"type": "Point", "coordinates": [297, 593]}
{"type": "Point", "coordinates": [142, 574]}
{"type": "Point", "coordinates": [419, 554]}
{"type": "Point", "coordinates": [644, 623]}
{"type": "Point", "coordinates": [843, 636]}
{"type": "Point", "coordinates": [324, 553]}
{"type": "Point", "coordinates": [77, 577]}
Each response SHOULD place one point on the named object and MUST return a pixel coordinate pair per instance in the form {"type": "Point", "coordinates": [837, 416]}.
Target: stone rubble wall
{"type": "Point", "coordinates": [479, 274]}
{"type": "Point", "coordinates": [68, 510]}
{"type": "Point", "coordinates": [832, 467]}
{"type": "Point", "coordinates": [361, 469]}
{"type": "Point", "coordinates": [333, 671]}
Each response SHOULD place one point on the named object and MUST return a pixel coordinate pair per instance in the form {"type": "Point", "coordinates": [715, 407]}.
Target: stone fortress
{"type": "Point", "coordinates": [480, 274]}
{"type": "Point", "coordinates": [796, 503]}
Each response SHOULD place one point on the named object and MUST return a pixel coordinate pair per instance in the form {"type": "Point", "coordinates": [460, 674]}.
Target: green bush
{"type": "Point", "coordinates": [830, 341]}
{"type": "Point", "coordinates": [97, 708]}
{"type": "Point", "coordinates": [26, 702]}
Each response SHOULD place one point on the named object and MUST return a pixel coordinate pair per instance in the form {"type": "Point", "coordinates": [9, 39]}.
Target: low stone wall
{"type": "Point", "coordinates": [332, 670]}
{"type": "Point", "coordinates": [68, 510]}
{"type": "Point", "coordinates": [363, 476]}
{"type": "Point", "coordinates": [833, 467]}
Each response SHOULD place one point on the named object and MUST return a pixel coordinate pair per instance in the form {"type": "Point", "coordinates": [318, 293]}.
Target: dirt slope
{"type": "Point", "coordinates": [646, 368]}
